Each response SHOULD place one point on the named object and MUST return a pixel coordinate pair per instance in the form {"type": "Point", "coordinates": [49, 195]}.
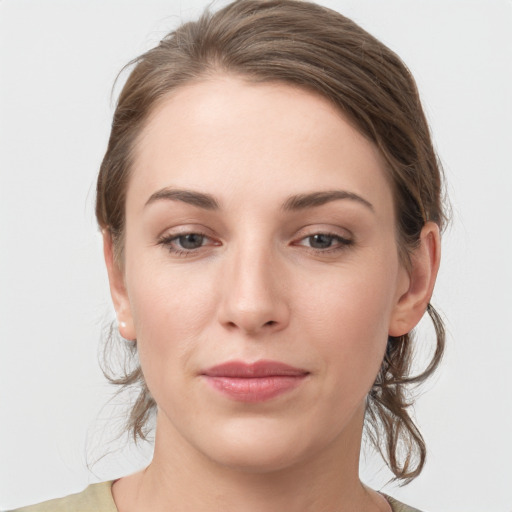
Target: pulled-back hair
{"type": "Point", "coordinates": [306, 45]}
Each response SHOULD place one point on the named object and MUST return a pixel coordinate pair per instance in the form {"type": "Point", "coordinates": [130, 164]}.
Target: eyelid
{"type": "Point", "coordinates": [183, 228]}
{"type": "Point", "coordinates": [324, 229]}
{"type": "Point", "coordinates": [175, 236]}
{"type": "Point", "coordinates": [342, 241]}
{"type": "Point", "coordinates": [168, 240]}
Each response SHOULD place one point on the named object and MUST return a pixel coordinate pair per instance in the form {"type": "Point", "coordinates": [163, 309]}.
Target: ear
{"type": "Point", "coordinates": [412, 304]}
{"type": "Point", "coordinates": [118, 289]}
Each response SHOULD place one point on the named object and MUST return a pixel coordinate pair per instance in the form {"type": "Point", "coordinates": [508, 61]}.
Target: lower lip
{"type": "Point", "coordinates": [255, 389]}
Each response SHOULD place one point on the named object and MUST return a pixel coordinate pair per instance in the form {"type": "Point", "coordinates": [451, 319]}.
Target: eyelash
{"type": "Point", "coordinates": [342, 242]}
{"type": "Point", "coordinates": [169, 240]}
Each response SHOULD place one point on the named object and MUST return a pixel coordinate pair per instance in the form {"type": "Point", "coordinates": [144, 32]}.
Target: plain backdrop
{"type": "Point", "coordinates": [58, 61]}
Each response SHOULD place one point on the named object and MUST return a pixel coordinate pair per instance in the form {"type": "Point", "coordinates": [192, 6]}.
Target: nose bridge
{"type": "Point", "coordinates": [253, 295]}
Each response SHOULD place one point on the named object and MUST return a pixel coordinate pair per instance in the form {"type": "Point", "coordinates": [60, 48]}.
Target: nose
{"type": "Point", "coordinates": [254, 299]}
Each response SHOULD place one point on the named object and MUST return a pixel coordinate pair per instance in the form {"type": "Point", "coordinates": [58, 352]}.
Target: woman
{"type": "Point", "coordinates": [271, 211]}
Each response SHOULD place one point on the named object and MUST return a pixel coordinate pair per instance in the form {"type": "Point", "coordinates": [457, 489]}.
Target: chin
{"type": "Point", "coordinates": [257, 459]}
{"type": "Point", "coordinates": [259, 446]}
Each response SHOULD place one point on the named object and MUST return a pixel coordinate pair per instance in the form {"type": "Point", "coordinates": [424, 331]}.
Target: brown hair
{"type": "Point", "coordinates": [313, 47]}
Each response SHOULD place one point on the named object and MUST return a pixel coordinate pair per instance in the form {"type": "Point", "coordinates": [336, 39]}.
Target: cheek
{"type": "Point", "coordinates": [348, 316]}
{"type": "Point", "coordinates": [171, 312]}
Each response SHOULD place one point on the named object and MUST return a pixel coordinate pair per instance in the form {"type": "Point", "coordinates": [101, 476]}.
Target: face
{"type": "Point", "coordinates": [261, 275]}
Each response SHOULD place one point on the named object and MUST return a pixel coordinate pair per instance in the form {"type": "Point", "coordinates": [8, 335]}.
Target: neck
{"type": "Point", "coordinates": [182, 479]}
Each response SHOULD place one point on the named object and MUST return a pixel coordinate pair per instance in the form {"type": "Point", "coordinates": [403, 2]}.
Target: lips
{"type": "Point", "coordinates": [254, 382]}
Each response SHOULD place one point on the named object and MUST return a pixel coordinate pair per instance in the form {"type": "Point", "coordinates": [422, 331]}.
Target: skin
{"type": "Point", "coordinates": [259, 285]}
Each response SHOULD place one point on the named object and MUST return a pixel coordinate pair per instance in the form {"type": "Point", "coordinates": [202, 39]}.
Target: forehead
{"type": "Point", "coordinates": [224, 134]}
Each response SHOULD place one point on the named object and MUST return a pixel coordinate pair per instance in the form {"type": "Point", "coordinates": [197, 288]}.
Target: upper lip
{"type": "Point", "coordinates": [242, 370]}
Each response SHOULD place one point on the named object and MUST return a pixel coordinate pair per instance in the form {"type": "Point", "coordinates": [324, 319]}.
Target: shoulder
{"type": "Point", "coordinates": [396, 506]}
{"type": "Point", "coordinates": [96, 498]}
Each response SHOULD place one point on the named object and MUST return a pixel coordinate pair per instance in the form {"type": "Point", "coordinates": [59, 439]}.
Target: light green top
{"type": "Point", "coordinates": [98, 498]}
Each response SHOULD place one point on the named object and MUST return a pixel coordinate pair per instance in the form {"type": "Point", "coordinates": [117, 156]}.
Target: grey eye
{"type": "Point", "coordinates": [321, 241]}
{"type": "Point", "coordinates": [190, 240]}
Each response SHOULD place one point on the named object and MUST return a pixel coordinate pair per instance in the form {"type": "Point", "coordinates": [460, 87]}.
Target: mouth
{"type": "Point", "coordinates": [254, 382]}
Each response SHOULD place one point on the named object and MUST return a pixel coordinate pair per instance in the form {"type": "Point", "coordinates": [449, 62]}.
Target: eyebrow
{"type": "Point", "coordinates": [200, 199]}
{"type": "Point", "coordinates": [293, 203]}
{"type": "Point", "coordinates": [312, 199]}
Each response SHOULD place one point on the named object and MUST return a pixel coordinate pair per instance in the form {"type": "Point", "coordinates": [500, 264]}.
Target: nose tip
{"type": "Point", "coordinates": [254, 301]}
{"type": "Point", "coordinates": [253, 322]}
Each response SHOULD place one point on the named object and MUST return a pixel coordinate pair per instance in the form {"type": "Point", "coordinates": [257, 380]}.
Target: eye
{"type": "Point", "coordinates": [320, 241]}
{"type": "Point", "coordinates": [325, 242]}
{"type": "Point", "coordinates": [190, 240]}
{"type": "Point", "coordinates": [184, 244]}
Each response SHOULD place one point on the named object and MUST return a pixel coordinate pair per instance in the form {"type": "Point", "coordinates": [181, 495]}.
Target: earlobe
{"type": "Point", "coordinates": [118, 289]}
{"type": "Point", "coordinates": [425, 260]}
